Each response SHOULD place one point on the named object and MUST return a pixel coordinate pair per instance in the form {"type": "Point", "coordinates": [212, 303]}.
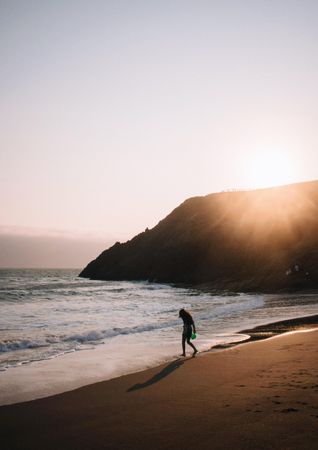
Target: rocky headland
{"type": "Point", "coordinates": [261, 240]}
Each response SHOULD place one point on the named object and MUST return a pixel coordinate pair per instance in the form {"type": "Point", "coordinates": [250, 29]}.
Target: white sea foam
{"type": "Point", "coordinates": [12, 345]}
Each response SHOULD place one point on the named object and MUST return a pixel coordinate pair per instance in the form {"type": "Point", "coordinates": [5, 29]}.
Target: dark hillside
{"type": "Point", "coordinates": [252, 240]}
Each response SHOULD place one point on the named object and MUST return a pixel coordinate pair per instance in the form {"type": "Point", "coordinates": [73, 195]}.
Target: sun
{"type": "Point", "coordinates": [269, 168]}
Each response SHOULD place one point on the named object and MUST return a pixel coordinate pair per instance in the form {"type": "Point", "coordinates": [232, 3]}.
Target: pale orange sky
{"type": "Point", "coordinates": [112, 113]}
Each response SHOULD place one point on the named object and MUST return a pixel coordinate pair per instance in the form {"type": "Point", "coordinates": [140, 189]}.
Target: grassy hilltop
{"type": "Point", "coordinates": [264, 239]}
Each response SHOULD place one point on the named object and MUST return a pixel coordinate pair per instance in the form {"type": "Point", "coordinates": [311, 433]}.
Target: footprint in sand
{"type": "Point", "coordinates": [288, 410]}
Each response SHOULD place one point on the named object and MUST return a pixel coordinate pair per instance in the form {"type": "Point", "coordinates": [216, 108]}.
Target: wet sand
{"type": "Point", "coordinates": [259, 395]}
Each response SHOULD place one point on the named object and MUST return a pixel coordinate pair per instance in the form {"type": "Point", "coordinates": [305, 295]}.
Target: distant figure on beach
{"type": "Point", "coordinates": [188, 326]}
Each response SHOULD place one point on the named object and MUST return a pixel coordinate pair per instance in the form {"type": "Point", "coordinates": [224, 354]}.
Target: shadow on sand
{"type": "Point", "coordinates": [167, 370]}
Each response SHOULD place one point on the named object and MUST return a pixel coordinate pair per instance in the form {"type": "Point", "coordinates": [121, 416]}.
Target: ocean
{"type": "Point", "coordinates": [47, 313]}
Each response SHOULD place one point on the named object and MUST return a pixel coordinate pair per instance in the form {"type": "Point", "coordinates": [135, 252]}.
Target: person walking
{"type": "Point", "coordinates": [188, 327]}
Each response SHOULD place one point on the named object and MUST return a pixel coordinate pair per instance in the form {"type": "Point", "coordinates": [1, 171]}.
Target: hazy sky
{"type": "Point", "coordinates": [113, 112]}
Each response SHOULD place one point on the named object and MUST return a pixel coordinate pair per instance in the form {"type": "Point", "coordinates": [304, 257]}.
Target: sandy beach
{"type": "Point", "coordinates": [259, 395]}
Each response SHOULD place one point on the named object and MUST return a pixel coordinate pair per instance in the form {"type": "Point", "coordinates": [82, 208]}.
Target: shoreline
{"type": "Point", "coordinates": [272, 329]}
{"type": "Point", "coordinates": [56, 376]}
{"type": "Point", "coordinates": [262, 395]}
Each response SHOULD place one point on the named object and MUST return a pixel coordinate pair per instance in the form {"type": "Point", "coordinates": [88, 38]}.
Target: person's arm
{"type": "Point", "coordinates": [193, 327]}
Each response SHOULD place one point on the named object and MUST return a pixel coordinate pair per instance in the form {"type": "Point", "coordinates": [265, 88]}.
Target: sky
{"type": "Point", "coordinates": [112, 113]}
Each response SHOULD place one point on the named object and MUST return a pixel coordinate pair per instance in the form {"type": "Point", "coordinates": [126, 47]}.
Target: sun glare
{"type": "Point", "coordinates": [270, 168]}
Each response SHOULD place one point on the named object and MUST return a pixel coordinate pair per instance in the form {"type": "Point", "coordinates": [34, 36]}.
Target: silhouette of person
{"type": "Point", "coordinates": [188, 325]}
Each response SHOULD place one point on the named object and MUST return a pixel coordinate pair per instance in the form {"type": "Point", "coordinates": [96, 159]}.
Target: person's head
{"type": "Point", "coordinates": [183, 313]}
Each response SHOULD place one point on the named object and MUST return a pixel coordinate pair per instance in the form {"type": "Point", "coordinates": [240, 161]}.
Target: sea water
{"type": "Point", "coordinates": [47, 313]}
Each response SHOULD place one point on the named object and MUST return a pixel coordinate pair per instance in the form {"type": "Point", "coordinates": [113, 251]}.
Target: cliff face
{"type": "Point", "coordinates": [255, 240]}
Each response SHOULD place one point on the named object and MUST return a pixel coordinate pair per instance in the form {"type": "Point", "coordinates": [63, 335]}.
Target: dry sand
{"type": "Point", "coordinates": [260, 395]}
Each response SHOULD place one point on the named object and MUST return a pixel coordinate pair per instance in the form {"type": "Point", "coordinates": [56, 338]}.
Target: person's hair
{"type": "Point", "coordinates": [184, 313]}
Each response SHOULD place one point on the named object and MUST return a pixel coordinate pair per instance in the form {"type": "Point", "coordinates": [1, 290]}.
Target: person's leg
{"type": "Point", "coordinates": [191, 345]}
{"type": "Point", "coordinates": [183, 345]}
